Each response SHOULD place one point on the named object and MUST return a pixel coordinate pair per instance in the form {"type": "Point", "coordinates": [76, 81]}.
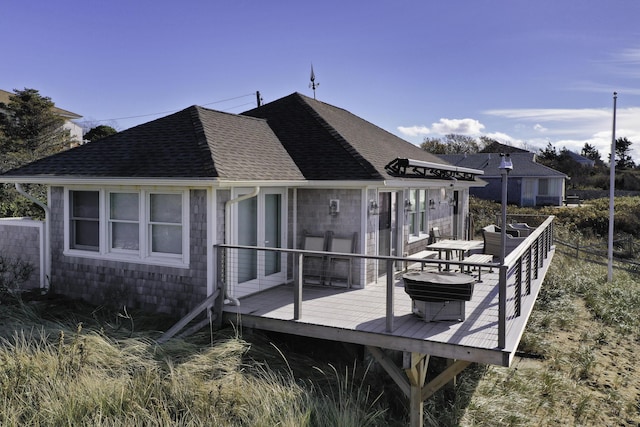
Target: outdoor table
{"type": "Point", "coordinates": [439, 296]}
{"type": "Point", "coordinates": [448, 246]}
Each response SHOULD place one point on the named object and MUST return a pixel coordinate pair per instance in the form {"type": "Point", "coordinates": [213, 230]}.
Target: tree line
{"type": "Point", "coordinates": [30, 129]}
{"type": "Point", "coordinates": [563, 160]}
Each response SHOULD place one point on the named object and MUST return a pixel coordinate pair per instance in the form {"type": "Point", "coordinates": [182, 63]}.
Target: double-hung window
{"type": "Point", "coordinates": [418, 214]}
{"type": "Point", "coordinates": [84, 220]}
{"type": "Point", "coordinates": [124, 222]}
{"type": "Point", "coordinates": [165, 223]}
{"type": "Point", "coordinates": [139, 226]}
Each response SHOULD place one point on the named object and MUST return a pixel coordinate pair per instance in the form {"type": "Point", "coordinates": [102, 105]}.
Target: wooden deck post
{"type": "Point", "coordinates": [417, 374]}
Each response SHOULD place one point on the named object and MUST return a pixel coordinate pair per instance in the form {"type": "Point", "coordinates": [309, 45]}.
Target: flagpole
{"type": "Point", "coordinates": [612, 183]}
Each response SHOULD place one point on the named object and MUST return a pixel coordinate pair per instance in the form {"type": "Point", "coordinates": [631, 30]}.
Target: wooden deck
{"type": "Point", "coordinates": [359, 316]}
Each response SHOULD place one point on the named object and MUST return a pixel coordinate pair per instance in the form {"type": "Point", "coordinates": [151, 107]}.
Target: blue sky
{"type": "Point", "coordinates": [523, 72]}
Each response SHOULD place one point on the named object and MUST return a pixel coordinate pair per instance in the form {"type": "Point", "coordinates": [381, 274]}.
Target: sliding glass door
{"type": "Point", "coordinates": [259, 221]}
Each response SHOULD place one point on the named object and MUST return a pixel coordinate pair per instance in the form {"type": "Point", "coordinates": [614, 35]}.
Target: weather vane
{"type": "Point", "coordinates": [313, 85]}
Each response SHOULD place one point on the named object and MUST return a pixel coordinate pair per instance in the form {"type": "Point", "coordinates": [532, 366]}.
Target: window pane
{"type": "Point", "coordinates": [272, 232]}
{"type": "Point", "coordinates": [124, 206]}
{"type": "Point", "coordinates": [166, 208]}
{"type": "Point", "coordinates": [85, 235]}
{"type": "Point", "coordinates": [84, 223]}
{"type": "Point", "coordinates": [543, 186]}
{"type": "Point", "coordinates": [423, 199]}
{"type": "Point", "coordinates": [124, 235]}
{"type": "Point", "coordinates": [247, 235]}
{"type": "Point", "coordinates": [166, 239]}
{"type": "Point", "coordinates": [85, 204]}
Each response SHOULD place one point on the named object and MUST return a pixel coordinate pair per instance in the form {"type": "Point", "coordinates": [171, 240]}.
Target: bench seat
{"type": "Point", "coordinates": [478, 258]}
{"type": "Point", "coordinates": [422, 255]}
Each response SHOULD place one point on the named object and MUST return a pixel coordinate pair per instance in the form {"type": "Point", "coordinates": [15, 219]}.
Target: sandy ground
{"type": "Point", "coordinates": [589, 376]}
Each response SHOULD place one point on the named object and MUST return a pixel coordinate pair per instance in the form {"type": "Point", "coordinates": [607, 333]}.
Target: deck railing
{"type": "Point", "coordinates": [520, 268]}
{"type": "Point", "coordinates": [249, 269]}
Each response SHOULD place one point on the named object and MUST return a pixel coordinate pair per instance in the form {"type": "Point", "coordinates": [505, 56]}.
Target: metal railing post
{"type": "Point", "coordinates": [502, 307]}
{"type": "Point", "coordinates": [297, 289]}
{"type": "Point", "coordinates": [390, 295]}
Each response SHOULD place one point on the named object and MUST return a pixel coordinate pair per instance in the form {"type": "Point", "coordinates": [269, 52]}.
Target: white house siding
{"type": "Point", "coordinates": [74, 130]}
{"type": "Point", "coordinates": [137, 286]}
{"type": "Point", "coordinates": [21, 239]}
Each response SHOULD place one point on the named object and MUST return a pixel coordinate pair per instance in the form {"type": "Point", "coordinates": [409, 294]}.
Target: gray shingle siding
{"type": "Point", "coordinates": [137, 286]}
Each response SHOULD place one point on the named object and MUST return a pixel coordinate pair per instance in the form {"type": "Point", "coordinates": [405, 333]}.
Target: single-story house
{"type": "Point", "coordinates": [529, 183]}
{"type": "Point", "coordinates": [134, 218]}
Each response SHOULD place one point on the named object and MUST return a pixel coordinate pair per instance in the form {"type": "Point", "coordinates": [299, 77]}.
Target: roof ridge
{"type": "Point", "coordinates": [367, 166]}
{"type": "Point", "coordinates": [201, 108]}
{"type": "Point", "coordinates": [201, 135]}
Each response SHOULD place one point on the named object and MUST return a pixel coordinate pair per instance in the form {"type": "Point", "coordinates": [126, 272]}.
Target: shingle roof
{"type": "Point", "coordinates": [193, 143]}
{"type": "Point", "coordinates": [292, 138]}
{"type": "Point", "coordinates": [524, 164]}
{"type": "Point", "coordinates": [327, 142]}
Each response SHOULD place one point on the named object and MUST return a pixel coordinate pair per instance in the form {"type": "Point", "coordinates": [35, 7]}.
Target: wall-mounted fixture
{"type": "Point", "coordinates": [408, 205]}
{"type": "Point", "coordinates": [432, 204]}
{"type": "Point", "coordinates": [373, 207]}
{"type": "Point", "coordinates": [334, 207]}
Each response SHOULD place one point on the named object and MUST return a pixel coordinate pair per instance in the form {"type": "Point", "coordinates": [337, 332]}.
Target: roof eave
{"type": "Point", "coordinates": [74, 180]}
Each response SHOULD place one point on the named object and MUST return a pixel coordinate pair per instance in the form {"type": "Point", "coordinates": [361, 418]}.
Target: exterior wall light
{"type": "Point", "coordinates": [407, 205]}
{"type": "Point", "coordinates": [334, 207]}
{"type": "Point", "coordinates": [373, 207]}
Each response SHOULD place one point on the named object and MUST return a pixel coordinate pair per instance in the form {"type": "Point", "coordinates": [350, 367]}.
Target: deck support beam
{"type": "Point", "coordinates": [444, 378]}
{"type": "Point", "coordinates": [412, 382]}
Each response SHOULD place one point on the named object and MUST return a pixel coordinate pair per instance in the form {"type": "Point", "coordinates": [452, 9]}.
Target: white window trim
{"type": "Point", "coordinates": [143, 255]}
{"type": "Point", "coordinates": [422, 234]}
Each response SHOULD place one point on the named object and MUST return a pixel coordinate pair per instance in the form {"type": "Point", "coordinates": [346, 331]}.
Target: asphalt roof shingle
{"type": "Point", "coordinates": [292, 138]}
{"type": "Point", "coordinates": [193, 143]}
{"type": "Point", "coordinates": [328, 142]}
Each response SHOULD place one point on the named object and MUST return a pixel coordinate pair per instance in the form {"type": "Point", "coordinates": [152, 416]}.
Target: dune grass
{"type": "Point", "coordinates": [54, 373]}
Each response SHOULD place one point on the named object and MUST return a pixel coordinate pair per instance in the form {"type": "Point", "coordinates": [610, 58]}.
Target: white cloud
{"type": "Point", "coordinates": [502, 138]}
{"type": "Point", "coordinates": [551, 114]}
{"type": "Point", "coordinates": [458, 126]}
{"type": "Point", "coordinates": [571, 128]}
{"type": "Point", "coordinates": [414, 130]}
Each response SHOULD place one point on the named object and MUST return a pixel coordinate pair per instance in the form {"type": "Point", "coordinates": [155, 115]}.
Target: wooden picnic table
{"type": "Point", "coordinates": [448, 246]}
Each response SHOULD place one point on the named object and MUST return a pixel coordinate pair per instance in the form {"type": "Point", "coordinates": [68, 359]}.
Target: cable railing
{"type": "Point", "coordinates": [246, 270]}
{"type": "Point", "coordinates": [521, 267]}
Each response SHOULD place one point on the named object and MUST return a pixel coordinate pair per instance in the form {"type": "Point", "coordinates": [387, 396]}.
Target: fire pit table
{"type": "Point", "coordinates": [439, 296]}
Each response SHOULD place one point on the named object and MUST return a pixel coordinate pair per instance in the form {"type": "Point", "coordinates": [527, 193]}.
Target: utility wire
{"type": "Point", "coordinates": [173, 111]}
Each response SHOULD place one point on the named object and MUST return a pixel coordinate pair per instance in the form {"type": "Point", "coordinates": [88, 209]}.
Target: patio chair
{"type": "Point", "coordinates": [522, 228]}
{"type": "Point", "coordinates": [345, 245]}
{"type": "Point", "coordinates": [314, 265]}
{"type": "Point", "coordinates": [436, 235]}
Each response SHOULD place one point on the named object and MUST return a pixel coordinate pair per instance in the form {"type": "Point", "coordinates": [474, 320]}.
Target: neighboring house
{"type": "Point", "coordinates": [583, 161]}
{"type": "Point", "coordinates": [529, 183]}
{"type": "Point", "coordinates": [74, 129]}
{"type": "Point", "coordinates": [133, 218]}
